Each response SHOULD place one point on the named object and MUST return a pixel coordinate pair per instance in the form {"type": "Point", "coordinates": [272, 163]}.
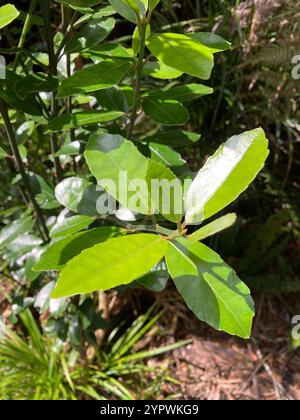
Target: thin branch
{"type": "Point", "coordinates": [45, 7]}
{"type": "Point", "coordinates": [16, 153]}
{"type": "Point", "coordinates": [139, 70]}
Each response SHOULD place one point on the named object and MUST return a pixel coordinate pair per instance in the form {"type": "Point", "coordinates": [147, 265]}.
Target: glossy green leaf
{"type": "Point", "coordinates": [78, 195]}
{"type": "Point", "coordinates": [95, 77]}
{"type": "Point", "coordinates": [8, 13]}
{"type": "Point", "coordinates": [13, 230]}
{"type": "Point", "coordinates": [165, 155]}
{"type": "Point", "coordinates": [178, 138]}
{"type": "Point", "coordinates": [20, 246]}
{"type": "Point", "coordinates": [159, 70]}
{"type": "Point", "coordinates": [70, 149]}
{"type": "Point", "coordinates": [79, 3]}
{"type": "Point", "coordinates": [182, 53]}
{"type": "Point", "coordinates": [213, 41]}
{"type": "Point", "coordinates": [226, 175]}
{"type": "Point", "coordinates": [28, 105]}
{"type": "Point", "coordinates": [70, 225]}
{"type": "Point", "coordinates": [166, 111]}
{"type": "Point", "coordinates": [24, 131]}
{"type": "Point", "coordinates": [166, 191]}
{"type": "Point", "coordinates": [213, 228]}
{"type": "Point", "coordinates": [59, 253]}
{"type": "Point", "coordinates": [110, 264]}
{"type": "Point", "coordinates": [111, 157]}
{"type": "Point", "coordinates": [94, 32]}
{"type": "Point", "coordinates": [81, 119]}
{"type": "Point", "coordinates": [183, 93]}
{"type": "Point", "coordinates": [210, 288]}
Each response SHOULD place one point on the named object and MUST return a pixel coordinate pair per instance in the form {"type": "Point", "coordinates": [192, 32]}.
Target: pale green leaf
{"type": "Point", "coordinates": [159, 70]}
{"type": "Point", "coordinates": [182, 53]}
{"type": "Point", "coordinates": [111, 157]}
{"type": "Point", "coordinates": [213, 228]}
{"type": "Point", "coordinates": [110, 264]}
{"type": "Point", "coordinates": [226, 175]}
{"type": "Point", "coordinates": [166, 191]}
{"type": "Point", "coordinates": [8, 13]}
{"type": "Point", "coordinates": [70, 225]}
{"type": "Point", "coordinates": [59, 253]}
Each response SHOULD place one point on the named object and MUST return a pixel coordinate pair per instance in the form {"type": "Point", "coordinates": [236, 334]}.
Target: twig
{"type": "Point", "coordinates": [16, 153]}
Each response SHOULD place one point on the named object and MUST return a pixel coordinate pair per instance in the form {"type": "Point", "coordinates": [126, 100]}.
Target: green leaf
{"type": "Point", "coordinates": [165, 111]}
{"type": "Point", "coordinates": [79, 3]}
{"type": "Point", "coordinates": [14, 229]}
{"type": "Point", "coordinates": [81, 119]}
{"type": "Point", "coordinates": [166, 191]}
{"type": "Point", "coordinates": [213, 41]}
{"type": "Point", "coordinates": [20, 246]}
{"type": "Point", "coordinates": [28, 105]}
{"type": "Point", "coordinates": [70, 149]}
{"type": "Point", "coordinates": [167, 156]}
{"type": "Point", "coordinates": [178, 138]}
{"type": "Point", "coordinates": [182, 53]}
{"type": "Point", "coordinates": [183, 93]}
{"type": "Point", "coordinates": [59, 253]}
{"type": "Point", "coordinates": [112, 51]}
{"type": "Point", "coordinates": [130, 9]}
{"type": "Point", "coordinates": [95, 77]}
{"type": "Point", "coordinates": [113, 99]}
{"type": "Point", "coordinates": [226, 175]}
{"type": "Point", "coordinates": [153, 4]}
{"type": "Point", "coordinates": [70, 225]}
{"type": "Point", "coordinates": [210, 288]}
{"type": "Point", "coordinates": [159, 70]}
{"type": "Point", "coordinates": [95, 31]}
{"type": "Point", "coordinates": [214, 227]}
{"type": "Point", "coordinates": [3, 153]}
{"type": "Point", "coordinates": [24, 131]}
{"type": "Point", "coordinates": [110, 264]}
{"type": "Point", "coordinates": [124, 9]}
{"type": "Point", "coordinates": [78, 195]}
{"type": "Point", "coordinates": [156, 280]}
{"type": "Point", "coordinates": [100, 13]}
{"type": "Point", "coordinates": [8, 13]}
{"type": "Point", "coordinates": [111, 157]}
{"type": "Point", "coordinates": [36, 82]}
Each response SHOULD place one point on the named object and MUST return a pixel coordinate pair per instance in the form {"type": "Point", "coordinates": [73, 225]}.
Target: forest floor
{"type": "Point", "coordinates": [219, 367]}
